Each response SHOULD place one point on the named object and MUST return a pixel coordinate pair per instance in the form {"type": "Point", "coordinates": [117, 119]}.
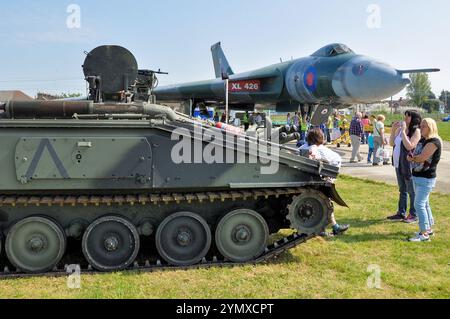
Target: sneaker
{"type": "Point", "coordinates": [429, 233]}
{"type": "Point", "coordinates": [340, 230]}
{"type": "Point", "coordinates": [369, 162]}
{"type": "Point", "coordinates": [396, 218]}
{"type": "Point", "coordinates": [411, 219]}
{"type": "Point", "coordinates": [420, 237]}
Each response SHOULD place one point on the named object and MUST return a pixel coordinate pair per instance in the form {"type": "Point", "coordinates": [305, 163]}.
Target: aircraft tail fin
{"type": "Point", "coordinates": [221, 66]}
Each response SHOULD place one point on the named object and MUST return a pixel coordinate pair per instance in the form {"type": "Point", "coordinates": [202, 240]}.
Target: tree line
{"type": "Point", "coordinates": [419, 91]}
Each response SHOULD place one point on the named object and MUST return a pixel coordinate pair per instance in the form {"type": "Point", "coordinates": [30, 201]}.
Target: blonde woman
{"type": "Point", "coordinates": [378, 138]}
{"type": "Point", "coordinates": [424, 163]}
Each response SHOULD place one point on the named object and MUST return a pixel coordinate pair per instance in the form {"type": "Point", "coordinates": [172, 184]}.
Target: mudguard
{"type": "Point", "coordinates": [332, 193]}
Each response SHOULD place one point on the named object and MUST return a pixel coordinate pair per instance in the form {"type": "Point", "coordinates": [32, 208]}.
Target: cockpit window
{"type": "Point", "coordinates": [332, 50]}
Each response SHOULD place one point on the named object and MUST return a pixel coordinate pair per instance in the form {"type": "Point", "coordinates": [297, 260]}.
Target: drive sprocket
{"type": "Point", "coordinates": [310, 212]}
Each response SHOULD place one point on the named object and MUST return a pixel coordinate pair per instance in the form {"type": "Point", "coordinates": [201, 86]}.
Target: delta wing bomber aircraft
{"type": "Point", "coordinates": [332, 77]}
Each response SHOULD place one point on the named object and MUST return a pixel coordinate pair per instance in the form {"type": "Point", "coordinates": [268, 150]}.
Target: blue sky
{"type": "Point", "coordinates": [39, 52]}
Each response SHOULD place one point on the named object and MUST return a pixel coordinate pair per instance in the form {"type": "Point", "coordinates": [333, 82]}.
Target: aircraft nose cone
{"type": "Point", "coordinates": [364, 80]}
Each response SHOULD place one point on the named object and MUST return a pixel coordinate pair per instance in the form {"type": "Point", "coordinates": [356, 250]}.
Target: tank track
{"type": "Point", "coordinates": [272, 251]}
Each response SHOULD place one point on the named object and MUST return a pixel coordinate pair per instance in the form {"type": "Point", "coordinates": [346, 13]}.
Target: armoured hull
{"type": "Point", "coordinates": [138, 156]}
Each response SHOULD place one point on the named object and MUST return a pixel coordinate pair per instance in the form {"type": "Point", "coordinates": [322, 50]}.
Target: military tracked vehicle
{"type": "Point", "coordinates": [115, 182]}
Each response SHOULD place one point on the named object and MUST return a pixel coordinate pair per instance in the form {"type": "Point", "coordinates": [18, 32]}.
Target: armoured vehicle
{"type": "Point", "coordinates": [117, 182]}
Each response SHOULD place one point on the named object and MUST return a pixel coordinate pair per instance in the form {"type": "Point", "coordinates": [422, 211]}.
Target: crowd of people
{"type": "Point", "coordinates": [363, 130]}
{"type": "Point", "coordinates": [255, 118]}
{"type": "Point", "coordinates": [417, 151]}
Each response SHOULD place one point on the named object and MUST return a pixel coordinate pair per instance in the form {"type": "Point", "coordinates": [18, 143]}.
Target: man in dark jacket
{"type": "Point", "coordinates": [356, 132]}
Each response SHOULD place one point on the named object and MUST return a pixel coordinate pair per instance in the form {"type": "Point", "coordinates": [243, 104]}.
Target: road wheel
{"type": "Point", "coordinates": [110, 243]}
{"type": "Point", "coordinates": [183, 239]}
{"type": "Point", "coordinates": [242, 235]}
{"type": "Point", "coordinates": [35, 244]}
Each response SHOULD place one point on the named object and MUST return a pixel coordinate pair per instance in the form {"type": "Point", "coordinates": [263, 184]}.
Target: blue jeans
{"type": "Point", "coordinates": [423, 188]}
{"type": "Point", "coordinates": [405, 188]}
{"type": "Point", "coordinates": [369, 157]}
{"type": "Point", "coordinates": [328, 134]}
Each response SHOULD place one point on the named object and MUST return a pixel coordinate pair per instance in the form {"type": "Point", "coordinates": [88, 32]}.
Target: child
{"type": "Point", "coordinates": [371, 148]}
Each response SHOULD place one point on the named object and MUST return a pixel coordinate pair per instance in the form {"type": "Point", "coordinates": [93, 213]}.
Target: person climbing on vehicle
{"type": "Point", "coordinates": [315, 149]}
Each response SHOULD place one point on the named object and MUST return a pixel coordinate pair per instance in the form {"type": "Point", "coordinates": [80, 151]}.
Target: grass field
{"type": "Point", "coordinates": [322, 268]}
{"type": "Point", "coordinates": [444, 130]}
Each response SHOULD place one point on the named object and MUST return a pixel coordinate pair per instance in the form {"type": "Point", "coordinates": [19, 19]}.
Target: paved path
{"type": "Point", "coordinates": [387, 173]}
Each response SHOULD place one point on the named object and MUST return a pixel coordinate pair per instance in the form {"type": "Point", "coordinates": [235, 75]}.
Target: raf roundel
{"type": "Point", "coordinates": [310, 79]}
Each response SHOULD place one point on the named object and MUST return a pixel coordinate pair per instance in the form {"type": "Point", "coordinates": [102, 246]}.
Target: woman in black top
{"type": "Point", "coordinates": [404, 138]}
{"type": "Point", "coordinates": [424, 163]}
